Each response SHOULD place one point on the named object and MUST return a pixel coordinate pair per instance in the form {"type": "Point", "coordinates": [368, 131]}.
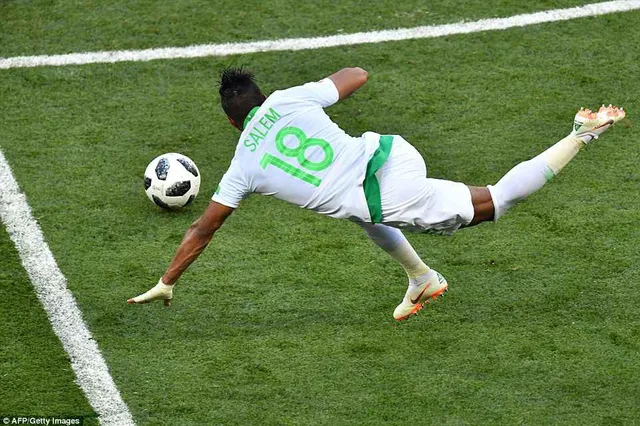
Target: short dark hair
{"type": "Point", "coordinates": [239, 93]}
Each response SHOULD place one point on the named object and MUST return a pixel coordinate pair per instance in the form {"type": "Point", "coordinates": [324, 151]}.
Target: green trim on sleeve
{"type": "Point", "coordinates": [370, 183]}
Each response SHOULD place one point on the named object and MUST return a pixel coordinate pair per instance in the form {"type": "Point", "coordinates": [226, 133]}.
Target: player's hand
{"type": "Point", "coordinates": [161, 291]}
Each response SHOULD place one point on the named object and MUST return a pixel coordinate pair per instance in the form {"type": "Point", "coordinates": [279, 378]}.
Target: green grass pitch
{"type": "Point", "coordinates": [286, 318]}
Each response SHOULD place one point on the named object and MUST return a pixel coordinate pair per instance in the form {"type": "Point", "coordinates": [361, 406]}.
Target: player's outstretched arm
{"type": "Point", "coordinates": [195, 241]}
{"type": "Point", "coordinates": [348, 80]}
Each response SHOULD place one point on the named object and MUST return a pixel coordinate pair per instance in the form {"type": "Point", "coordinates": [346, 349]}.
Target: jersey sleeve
{"type": "Point", "coordinates": [233, 187]}
{"type": "Point", "coordinates": [323, 92]}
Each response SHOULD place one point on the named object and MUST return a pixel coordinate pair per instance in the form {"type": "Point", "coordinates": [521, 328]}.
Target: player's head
{"type": "Point", "coordinates": [239, 94]}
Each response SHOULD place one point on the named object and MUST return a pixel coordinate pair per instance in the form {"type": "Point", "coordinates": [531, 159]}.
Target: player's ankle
{"type": "Point", "coordinates": [419, 279]}
{"type": "Point", "coordinates": [583, 139]}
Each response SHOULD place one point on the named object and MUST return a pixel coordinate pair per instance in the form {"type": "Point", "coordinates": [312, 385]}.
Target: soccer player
{"type": "Point", "coordinates": [290, 148]}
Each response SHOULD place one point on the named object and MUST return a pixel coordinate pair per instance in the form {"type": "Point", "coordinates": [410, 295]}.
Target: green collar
{"type": "Point", "coordinates": [249, 117]}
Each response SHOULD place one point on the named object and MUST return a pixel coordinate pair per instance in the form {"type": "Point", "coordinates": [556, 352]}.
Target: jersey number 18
{"type": "Point", "coordinates": [298, 153]}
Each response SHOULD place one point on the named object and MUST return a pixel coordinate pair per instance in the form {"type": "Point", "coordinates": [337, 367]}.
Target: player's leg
{"type": "Point", "coordinates": [424, 283]}
{"type": "Point", "coordinates": [412, 201]}
{"type": "Point", "coordinates": [529, 176]}
{"type": "Point", "coordinates": [393, 241]}
{"type": "Point", "coordinates": [483, 207]}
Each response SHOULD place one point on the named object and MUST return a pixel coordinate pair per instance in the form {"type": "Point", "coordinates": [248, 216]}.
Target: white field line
{"type": "Point", "coordinates": [431, 31]}
{"type": "Point", "coordinates": [92, 374]}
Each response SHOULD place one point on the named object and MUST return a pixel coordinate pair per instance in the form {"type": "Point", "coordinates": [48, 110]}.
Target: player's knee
{"type": "Point", "coordinates": [483, 208]}
{"type": "Point", "coordinates": [500, 203]}
{"type": "Point", "coordinates": [383, 236]}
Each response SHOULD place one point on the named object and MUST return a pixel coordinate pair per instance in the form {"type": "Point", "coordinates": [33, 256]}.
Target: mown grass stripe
{"type": "Point", "coordinates": [225, 49]}
{"type": "Point", "coordinates": [92, 374]}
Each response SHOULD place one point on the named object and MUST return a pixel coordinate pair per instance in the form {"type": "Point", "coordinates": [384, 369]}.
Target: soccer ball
{"type": "Point", "coordinates": [172, 181]}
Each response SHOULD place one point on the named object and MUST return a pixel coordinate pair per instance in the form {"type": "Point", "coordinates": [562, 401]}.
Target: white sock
{"type": "Point", "coordinates": [393, 241]}
{"type": "Point", "coordinates": [562, 152]}
{"type": "Point", "coordinates": [529, 176]}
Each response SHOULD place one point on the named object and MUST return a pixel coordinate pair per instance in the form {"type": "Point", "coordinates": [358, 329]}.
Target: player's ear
{"type": "Point", "coordinates": [233, 123]}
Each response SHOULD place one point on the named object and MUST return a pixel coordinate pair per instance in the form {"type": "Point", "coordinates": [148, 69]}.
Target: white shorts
{"type": "Point", "coordinates": [416, 203]}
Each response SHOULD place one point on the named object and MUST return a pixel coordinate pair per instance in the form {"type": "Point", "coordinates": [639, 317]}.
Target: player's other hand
{"type": "Point", "coordinates": [161, 291]}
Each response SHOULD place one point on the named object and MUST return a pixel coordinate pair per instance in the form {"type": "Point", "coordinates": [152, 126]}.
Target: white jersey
{"type": "Point", "coordinates": [292, 150]}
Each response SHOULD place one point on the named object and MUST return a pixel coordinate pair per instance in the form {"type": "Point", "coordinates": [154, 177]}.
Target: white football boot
{"type": "Point", "coordinates": [589, 125]}
{"type": "Point", "coordinates": [434, 285]}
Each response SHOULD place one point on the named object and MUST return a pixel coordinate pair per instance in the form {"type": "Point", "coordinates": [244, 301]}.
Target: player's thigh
{"type": "Point", "coordinates": [404, 162]}
{"type": "Point", "coordinates": [429, 205]}
{"type": "Point", "coordinates": [414, 202]}
{"type": "Point", "coordinates": [402, 178]}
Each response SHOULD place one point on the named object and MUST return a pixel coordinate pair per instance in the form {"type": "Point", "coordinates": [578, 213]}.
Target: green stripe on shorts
{"type": "Point", "coordinates": [370, 183]}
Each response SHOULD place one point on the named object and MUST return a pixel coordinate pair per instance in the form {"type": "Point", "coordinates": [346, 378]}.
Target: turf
{"type": "Point", "coordinates": [48, 27]}
{"type": "Point", "coordinates": [35, 371]}
{"type": "Point", "coordinates": [286, 318]}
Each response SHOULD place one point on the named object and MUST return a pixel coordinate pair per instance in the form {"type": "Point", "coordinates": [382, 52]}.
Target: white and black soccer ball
{"type": "Point", "coordinates": [172, 181]}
